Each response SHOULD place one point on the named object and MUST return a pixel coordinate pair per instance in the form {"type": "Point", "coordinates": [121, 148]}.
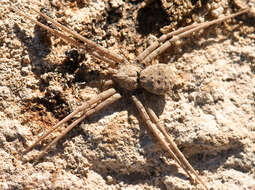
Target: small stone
{"type": "Point", "coordinates": [217, 12]}
{"type": "Point", "coordinates": [5, 92]}
{"type": "Point", "coordinates": [26, 59]}
{"type": "Point", "coordinates": [16, 43]}
{"type": "Point", "coordinates": [116, 3]}
{"type": "Point", "coordinates": [24, 71]}
{"type": "Point", "coordinates": [109, 179]}
{"type": "Point", "coordinates": [7, 55]}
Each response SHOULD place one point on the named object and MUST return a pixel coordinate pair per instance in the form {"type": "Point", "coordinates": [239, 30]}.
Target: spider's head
{"type": "Point", "coordinates": [127, 76]}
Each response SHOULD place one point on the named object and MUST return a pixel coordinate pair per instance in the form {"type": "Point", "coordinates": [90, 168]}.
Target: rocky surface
{"type": "Point", "coordinates": [210, 117]}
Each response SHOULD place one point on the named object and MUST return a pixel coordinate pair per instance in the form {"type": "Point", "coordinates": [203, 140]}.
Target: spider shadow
{"type": "Point", "coordinates": [193, 42]}
{"type": "Point", "coordinates": [212, 163]}
{"type": "Point", "coordinates": [174, 53]}
{"type": "Point", "coordinates": [38, 47]}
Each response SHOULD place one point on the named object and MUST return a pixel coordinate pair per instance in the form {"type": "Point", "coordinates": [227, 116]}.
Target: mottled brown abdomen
{"type": "Point", "coordinates": [157, 79]}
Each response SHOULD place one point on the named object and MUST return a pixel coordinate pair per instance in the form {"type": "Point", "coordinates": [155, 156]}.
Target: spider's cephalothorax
{"type": "Point", "coordinates": [127, 76]}
{"type": "Point", "coordinates": [156, 79]}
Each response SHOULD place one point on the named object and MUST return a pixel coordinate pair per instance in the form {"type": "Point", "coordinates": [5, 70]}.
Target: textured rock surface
{"type": "Point", "coordinates": [210, 117]}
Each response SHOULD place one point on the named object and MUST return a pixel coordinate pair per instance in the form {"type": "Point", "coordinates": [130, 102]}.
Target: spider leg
{"type": "Point", "coordinates": [84, 107]}
{"type": "Point", "coordinates": [154, 118]}
{"type": "Point", "coordinates": [65, 37]}
{"type": "Point", "coordinates": [162, 39]}
{"type": "Point", "coordinates": [156, 131]}
{"type": "Point", "coordinates": [164, 139]}
{"type": "Point", "coordinates": [173, 146]}
{"type": "Point", "coordinates": [161, 45]}
{"type": "Point", "coordinates": [103, 51]}
{"type": "Point", "coordinates": [113, 98]}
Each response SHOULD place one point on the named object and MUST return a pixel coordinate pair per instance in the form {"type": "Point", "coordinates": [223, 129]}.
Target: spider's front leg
{"type": "Point", "coordinates": [166, 40]}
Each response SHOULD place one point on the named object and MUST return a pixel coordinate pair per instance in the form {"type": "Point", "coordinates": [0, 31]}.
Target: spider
{"type": "Point", "coordinates": [156, 79]}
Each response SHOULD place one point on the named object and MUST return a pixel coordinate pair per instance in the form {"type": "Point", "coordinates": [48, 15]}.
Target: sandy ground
{"type": "Point", "coordinates": [210, 116]}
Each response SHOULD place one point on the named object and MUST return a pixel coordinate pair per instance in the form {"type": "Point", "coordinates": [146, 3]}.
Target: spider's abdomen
{"type": "Point", "coordinates": [157, 79]}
